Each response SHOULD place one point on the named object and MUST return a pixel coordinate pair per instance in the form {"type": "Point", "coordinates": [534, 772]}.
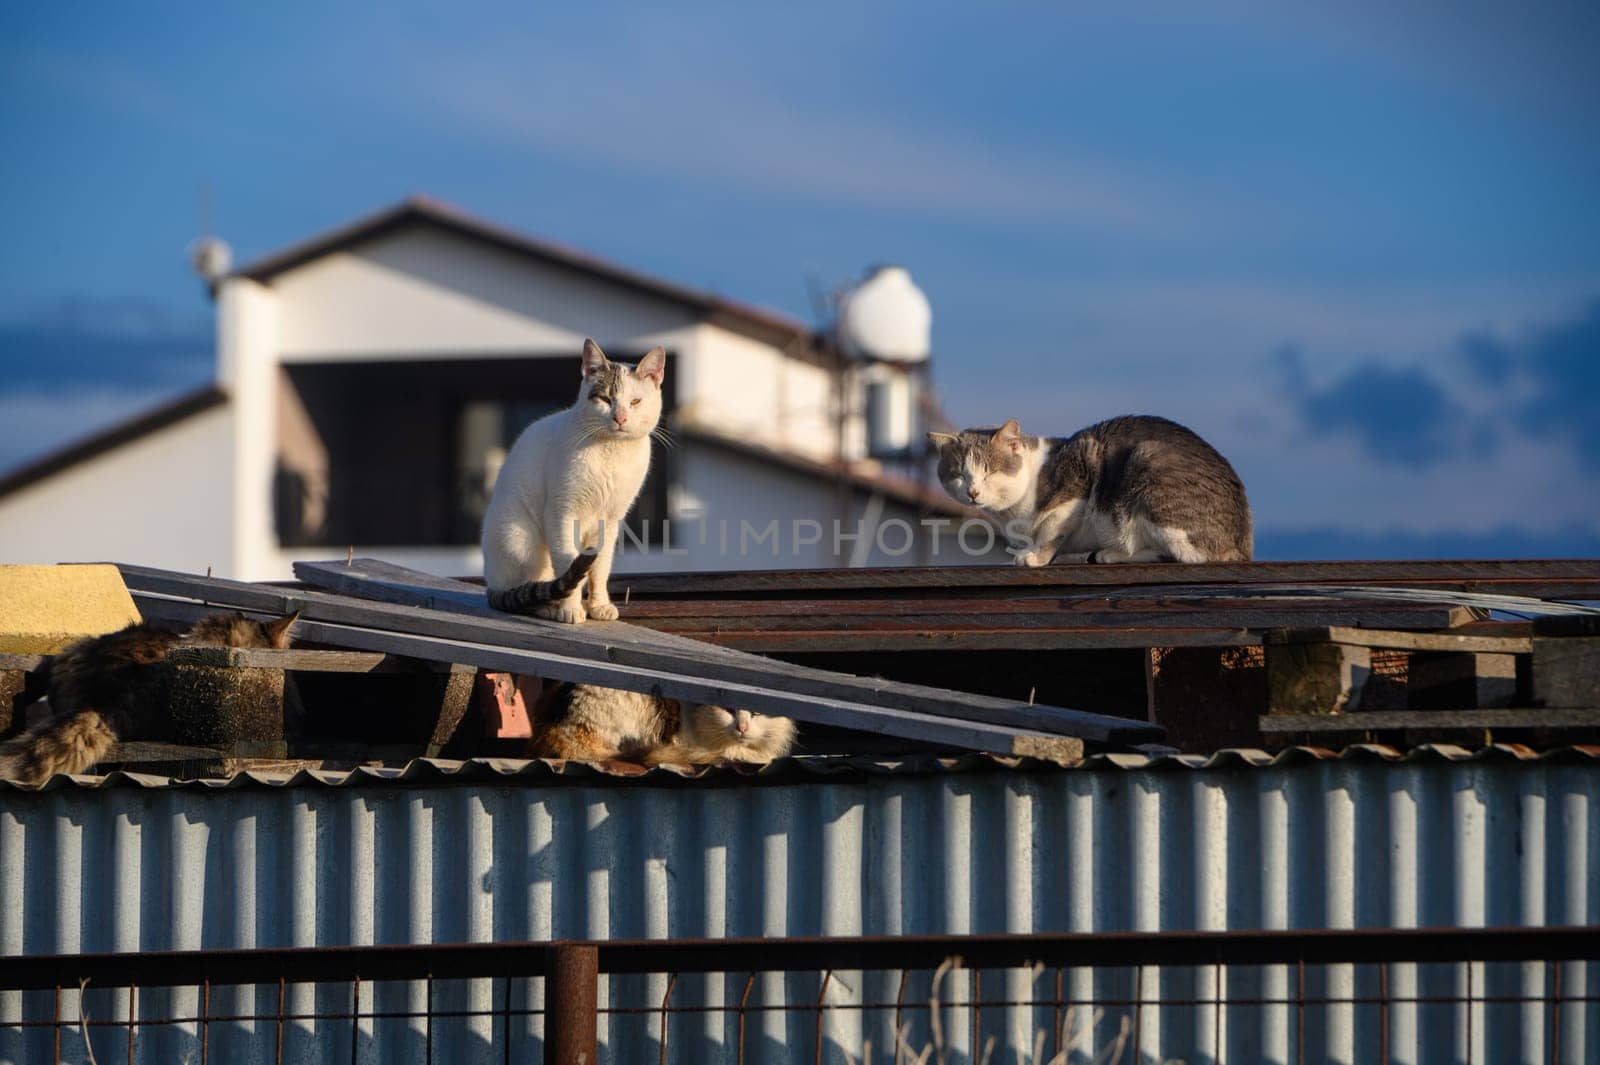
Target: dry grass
{"type": "Point", "coordinates": [1073, 1035]}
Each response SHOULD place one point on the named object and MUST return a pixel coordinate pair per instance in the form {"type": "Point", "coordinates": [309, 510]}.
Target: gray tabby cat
{"type": "Point", "coordinates": [1131, 489]}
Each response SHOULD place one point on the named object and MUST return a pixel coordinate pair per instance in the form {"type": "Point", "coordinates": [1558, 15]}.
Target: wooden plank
{"type": "Point", "coordinates": [1402, 641]}
{"type": "Point", "coordinates": [301, 660]}
{"type": "Point", "coordinates": [454, 701]}
{"type": "Point", "coordinates": [885, 721]}
{"type": "Point", "coordinates": [1075, 610]}
{"type": "Point", "coordinates": [1569, 626]}
{"type": "Point", "coordinates": [1566, 670]}
{"type": "Point", "coordinates": [1544, 578]}
{"type": "Point", "coordinates": [846, 640]}
{"type": "Point", "coordinates": [1316, 678]}
{"type": "Point", "coordinates": [626, 643]}
{"type": "Point", "coordinates": [1385, 720]}
{"type": "Point", "coordinates": [1307, 614]}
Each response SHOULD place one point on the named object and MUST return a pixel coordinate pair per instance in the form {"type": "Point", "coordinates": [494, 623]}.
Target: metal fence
{"type": "Point", "coordinates": [1383, 995]}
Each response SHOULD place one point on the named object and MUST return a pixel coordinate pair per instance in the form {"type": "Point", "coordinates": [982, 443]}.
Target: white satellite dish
{"type": "Point", "coordinates": [886, 318]}
{"type": "Point", "coordinates": [211, 258]}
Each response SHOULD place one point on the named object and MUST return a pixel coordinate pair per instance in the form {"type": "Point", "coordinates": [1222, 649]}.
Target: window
{"type": "Point", "coordinates": [405, 453]}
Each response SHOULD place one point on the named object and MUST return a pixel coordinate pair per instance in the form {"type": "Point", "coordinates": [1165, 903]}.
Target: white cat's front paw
{"type": "Point", "coordinates": [566, 611]}
{"type": "Point", "coordinates": [1033, 558]}
{"type": "Point", "coordinates": [606, 611]}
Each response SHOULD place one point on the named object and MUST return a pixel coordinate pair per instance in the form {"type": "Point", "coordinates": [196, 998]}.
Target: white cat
{"type": "Point", "coordinates": [566, 485]}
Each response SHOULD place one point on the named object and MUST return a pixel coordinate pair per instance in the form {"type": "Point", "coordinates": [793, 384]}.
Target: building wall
{"type": "Point", "coordinates": [1299, 844]}
{"type": "Point", "coordinates": [728, 489]}
{"type": "Point", "coordinates": [161, 500]}
{"type": "Point", "coordinates": [248, 317]}
{"type": "Point", "coordinates": [749, 390]}
{"type": "Point", "coordinates": [429, 293]}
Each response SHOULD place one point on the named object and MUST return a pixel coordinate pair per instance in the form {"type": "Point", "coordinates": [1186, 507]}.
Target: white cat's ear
{"type": "Point", "coordinates": [594, 360]}
{"type": "Point", "coordinates": [1009, 435]}
{"type": "Point", "coordinates": [940, 441]}
{"type": "Point", "coordinates": [653, 366]}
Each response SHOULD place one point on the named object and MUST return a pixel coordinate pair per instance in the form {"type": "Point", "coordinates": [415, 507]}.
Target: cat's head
{"type": "Point", "coordinates": [621, 402]}
{"type": "Point", "coordinates": [984, 467]}
{"type": "Point", "coordinates": [236, 630]}
{"type": "Point", "coordinates": [719, 729]}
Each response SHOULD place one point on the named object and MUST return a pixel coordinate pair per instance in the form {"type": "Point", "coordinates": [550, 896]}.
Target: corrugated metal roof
{"type": "Point", "coordinates": [1365, 837]}
{"type": "Point", "coordinates": [433, 772]}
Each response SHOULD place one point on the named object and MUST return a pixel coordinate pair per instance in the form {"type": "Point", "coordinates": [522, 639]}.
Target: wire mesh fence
{"type": "Point", "coordinates": [1457, 995]}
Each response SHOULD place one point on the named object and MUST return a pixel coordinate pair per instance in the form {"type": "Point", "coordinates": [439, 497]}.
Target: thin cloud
{"type": "Point", "coordinates": [690, 111]}
{"type": "Point", "coordinates": [1538, 57]}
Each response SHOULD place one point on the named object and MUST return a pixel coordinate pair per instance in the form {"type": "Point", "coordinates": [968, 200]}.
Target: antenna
{"type": "Point", "coordinates": [210, 255]}
{"type": "Point", "coordinates": [821, 305]}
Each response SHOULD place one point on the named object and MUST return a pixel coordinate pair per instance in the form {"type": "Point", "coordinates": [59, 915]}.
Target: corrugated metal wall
{"type": "Point", "coordinates": [1351, 843]}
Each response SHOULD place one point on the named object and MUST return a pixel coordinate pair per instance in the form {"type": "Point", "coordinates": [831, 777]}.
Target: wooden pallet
{"type": "Point", "coordinates": [1546, 676]}
{"type": "Point", "coordinates": [227, 704]}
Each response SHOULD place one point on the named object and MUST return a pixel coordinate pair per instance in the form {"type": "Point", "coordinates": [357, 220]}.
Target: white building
{"type": "Point", "coordinates": [369, 380]}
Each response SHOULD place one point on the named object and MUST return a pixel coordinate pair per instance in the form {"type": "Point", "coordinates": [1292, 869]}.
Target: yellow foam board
{"type": "Point", "coordinates": [44, 608]}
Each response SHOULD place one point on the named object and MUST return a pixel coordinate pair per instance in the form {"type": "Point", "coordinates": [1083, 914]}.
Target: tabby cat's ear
{"type": "Point", "coordinates": [1009, 435]}
{"type": "Point", "coordinates": [653, 366]}
{"type": "Point", "coordinates": [278, 631]}
{"type": "Point", "coordinates": [594, 360]}
{"type": "Point", "coordinates": [940, 441]}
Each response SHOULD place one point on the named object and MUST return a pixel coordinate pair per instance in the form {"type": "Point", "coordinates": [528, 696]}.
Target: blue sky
{"type": "Point", "coordinates": [1356, 247]}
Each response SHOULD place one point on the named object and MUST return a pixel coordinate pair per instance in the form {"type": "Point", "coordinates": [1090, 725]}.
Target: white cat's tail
{"type": "Point", "coordinates": [524, 597]}
{"type": "Point", "coordinates": [68, 744]}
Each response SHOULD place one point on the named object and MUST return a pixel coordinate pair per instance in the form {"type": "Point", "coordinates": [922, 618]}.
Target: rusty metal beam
{"type": "Point", "coordinates": [571, 1021]}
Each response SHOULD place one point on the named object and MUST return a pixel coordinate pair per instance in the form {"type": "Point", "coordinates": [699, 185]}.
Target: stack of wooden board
{"type": "Point", "coordinates": [899, 660]}
{"type": "Point", "coordinates": [1185, 644]}
{"type": "Point", "coordinates": [367, 605]}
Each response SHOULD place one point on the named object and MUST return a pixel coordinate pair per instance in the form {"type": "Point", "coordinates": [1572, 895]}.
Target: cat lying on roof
{"type": "Point", "coordinates": [1131, 489]}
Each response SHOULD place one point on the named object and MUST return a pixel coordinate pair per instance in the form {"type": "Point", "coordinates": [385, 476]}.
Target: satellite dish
{"type": "Point", "coordinates": [211, 258]}
{"type": "Point", "coordinates": [886, 318]}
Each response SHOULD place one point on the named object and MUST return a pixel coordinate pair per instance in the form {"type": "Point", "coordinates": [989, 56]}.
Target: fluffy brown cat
{"type": "Point", "coordinates": [588, 723]}
{"type": "Point", "coordinates": [109, 688]}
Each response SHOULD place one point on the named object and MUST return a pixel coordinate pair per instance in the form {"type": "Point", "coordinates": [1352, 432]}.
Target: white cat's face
{"type": "Point", "coordinates": [983, 467]}
{"type": "Point", "coordinates": [619, 402]}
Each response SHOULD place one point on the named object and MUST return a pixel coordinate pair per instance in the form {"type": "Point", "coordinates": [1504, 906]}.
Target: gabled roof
{"type": "Point", "coordinates": [150, 422]}
{"type": "Point", "coordinates": [755, 322]}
